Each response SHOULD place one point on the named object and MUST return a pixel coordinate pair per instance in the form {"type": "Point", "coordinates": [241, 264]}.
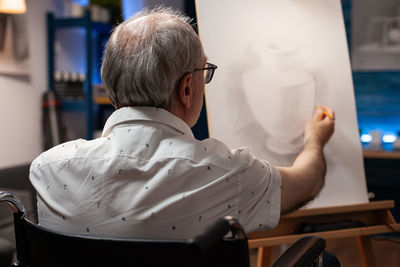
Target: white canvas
{"type": "Point", "coordinates": [277, 61]}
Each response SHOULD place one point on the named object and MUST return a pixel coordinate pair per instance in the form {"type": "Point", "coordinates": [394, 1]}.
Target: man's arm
{"type": "Point", "coordinates": [304, 179]}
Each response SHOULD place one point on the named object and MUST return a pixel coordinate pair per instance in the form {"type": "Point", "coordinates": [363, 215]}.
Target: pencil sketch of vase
{"type": "Point", "coordinates": [281, 98]}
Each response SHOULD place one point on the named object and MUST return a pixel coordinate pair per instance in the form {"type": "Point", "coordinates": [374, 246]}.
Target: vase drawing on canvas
{"type": "Point", "coordinates": [281, 97]}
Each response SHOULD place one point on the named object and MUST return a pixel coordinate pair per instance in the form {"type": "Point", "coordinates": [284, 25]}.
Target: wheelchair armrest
{"type": "Point", "coordinates": [216, 232]}
{"type": "Point", "coordinates": [302, 253]}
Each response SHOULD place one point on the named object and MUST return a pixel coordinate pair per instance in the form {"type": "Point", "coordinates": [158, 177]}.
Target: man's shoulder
{"type": "Point", "coordinates": [218, 153]}
{"type": "Point", "coordinates": [59, 152]}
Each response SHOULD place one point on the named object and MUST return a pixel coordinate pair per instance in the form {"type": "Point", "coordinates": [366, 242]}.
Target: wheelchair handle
{"type": "Point", "coordinates": [12, 201]}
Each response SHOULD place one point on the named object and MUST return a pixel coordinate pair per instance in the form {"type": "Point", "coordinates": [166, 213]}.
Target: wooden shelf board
{"type": "Point", "coordinates": [381, 154]}
{"type": "Point", "coordinates": [102, 101]}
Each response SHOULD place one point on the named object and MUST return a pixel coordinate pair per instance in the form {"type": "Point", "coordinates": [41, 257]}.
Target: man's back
{"type": "Point", "coordinates": [148, 177]}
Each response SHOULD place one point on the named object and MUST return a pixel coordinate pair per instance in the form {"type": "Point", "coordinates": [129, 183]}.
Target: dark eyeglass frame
{"type": "Point", "coordinates": [210, 72]}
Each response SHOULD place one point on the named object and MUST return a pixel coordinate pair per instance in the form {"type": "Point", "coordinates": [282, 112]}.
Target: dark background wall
{"type": "Point", "coordinates": [377, 96]}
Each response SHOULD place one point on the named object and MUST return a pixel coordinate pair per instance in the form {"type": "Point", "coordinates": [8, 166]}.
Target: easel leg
{"type": "Point", "coordinates": [366, 252]}
{"type": "Point", "coordinates": [264, 257]}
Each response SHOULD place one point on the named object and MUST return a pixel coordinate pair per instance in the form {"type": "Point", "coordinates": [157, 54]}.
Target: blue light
{"type": "Point", "coordinates": [81, 2]}
{"type": "Point", "coordinates": [389, 138]}
{"type": "Point", "coordinates": [366, 138]}
{"type": "Point", "coordinates": [130, 7]}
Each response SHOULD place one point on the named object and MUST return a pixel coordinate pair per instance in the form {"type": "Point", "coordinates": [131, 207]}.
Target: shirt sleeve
{"type": "Point", "coordinates": [259, 195]}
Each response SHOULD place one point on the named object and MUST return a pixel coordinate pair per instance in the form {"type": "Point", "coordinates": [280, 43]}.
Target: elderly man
{"type": "Point", "coordinates": [147, 176]}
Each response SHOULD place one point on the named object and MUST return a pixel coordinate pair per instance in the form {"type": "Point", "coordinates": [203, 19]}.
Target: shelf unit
{"type": "Point", "coordinates": [100, 31]}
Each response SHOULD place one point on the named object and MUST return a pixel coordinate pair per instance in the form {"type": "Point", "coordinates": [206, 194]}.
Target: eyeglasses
{"type": "Point", "coordinates": [209, 72]}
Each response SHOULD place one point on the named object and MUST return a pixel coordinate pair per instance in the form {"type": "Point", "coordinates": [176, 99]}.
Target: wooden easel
{"type": "Point", "coordinates": [375, 215]}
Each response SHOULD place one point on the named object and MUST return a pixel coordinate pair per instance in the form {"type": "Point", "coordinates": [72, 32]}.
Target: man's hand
{"type": "Point", "coordinates": [320, 127]}
{"type": "Point", "coordinates": [304, 179]}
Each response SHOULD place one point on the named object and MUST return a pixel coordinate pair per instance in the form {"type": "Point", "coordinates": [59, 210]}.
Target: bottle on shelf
{"type": "Point", "coordinates": [68, 85]}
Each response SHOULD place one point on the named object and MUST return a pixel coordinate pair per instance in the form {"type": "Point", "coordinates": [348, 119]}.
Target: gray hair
{"type": "Point", "coordinates": [147, 55]}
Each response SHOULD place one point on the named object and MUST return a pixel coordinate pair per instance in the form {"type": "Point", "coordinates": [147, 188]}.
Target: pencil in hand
{"type": "Point", "coordinates": [326, 113]}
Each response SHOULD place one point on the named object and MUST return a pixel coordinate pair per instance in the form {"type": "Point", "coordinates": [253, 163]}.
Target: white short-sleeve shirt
{"type": "Point", "coordinates": [148, 177]}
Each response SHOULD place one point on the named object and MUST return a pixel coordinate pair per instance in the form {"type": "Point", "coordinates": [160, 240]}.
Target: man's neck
{"type": "Point", "coordinates": [179, 111]}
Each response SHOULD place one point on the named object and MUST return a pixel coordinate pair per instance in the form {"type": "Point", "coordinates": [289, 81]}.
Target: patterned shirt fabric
{"type": "Point", "coordinates": [148, 177]}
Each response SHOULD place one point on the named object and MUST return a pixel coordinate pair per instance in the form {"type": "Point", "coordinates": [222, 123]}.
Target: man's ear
{"type": "Point", "coordinates": [185, 90]}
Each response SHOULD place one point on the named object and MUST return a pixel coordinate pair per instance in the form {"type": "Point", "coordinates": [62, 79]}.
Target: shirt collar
{"type": "Point", "coordinates": [143, 113]}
